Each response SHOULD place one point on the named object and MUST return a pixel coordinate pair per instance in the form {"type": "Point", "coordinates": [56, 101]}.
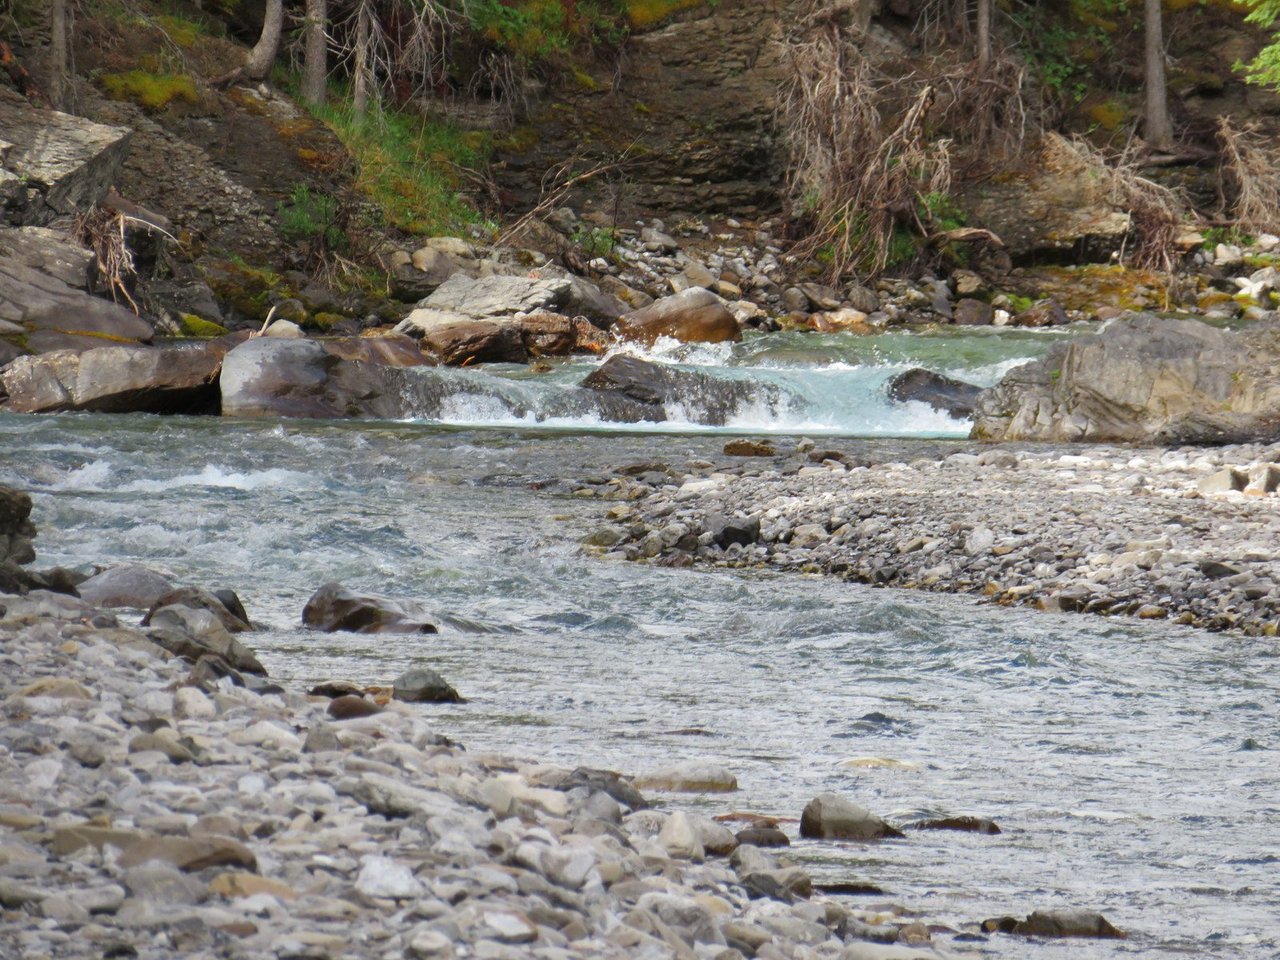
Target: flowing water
{"type": "Point", "coordinates": [1128, 764]}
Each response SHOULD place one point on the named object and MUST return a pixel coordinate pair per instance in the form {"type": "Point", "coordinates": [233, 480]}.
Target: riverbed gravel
{"type": "Point", "coordinates": [1188, 534]}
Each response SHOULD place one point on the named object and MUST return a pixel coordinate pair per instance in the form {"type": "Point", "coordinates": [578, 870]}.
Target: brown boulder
{"type": "Point", "coordinates": [692, 316]}
{"type": "Point", "coordinates": [334, 608]}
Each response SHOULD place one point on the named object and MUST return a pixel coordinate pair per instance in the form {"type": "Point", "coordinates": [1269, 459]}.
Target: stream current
{"type": "Point", "coordinates": [1130, 765]}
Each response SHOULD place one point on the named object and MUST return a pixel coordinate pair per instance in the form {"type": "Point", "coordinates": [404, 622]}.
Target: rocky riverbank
{"type": "Point", "coordinates": [159, 796]}
{"type": "Point", "coordinates": [1183, 534]}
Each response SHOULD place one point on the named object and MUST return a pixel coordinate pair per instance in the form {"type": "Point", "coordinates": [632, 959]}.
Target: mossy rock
{"type": "Point", "coordinates": [646, 14]}
{"type": "Point", "coordinates": [189, 325]}
{"type": "Point", "coordinates": [324, 321]}
{"type": "Point", "coordinates": [152, 91]}
{"type": "Point", "coordinates": [247, 292]}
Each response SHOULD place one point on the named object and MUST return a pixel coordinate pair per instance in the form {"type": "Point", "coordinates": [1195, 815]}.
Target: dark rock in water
{"type": "Point", "coordinates": [1142, 379]}
{"type": "Point", "coordinates": [973, 313]}
{"type": "Point", "coordinates": [653, 386]}
{"type": "Point", "coordinates": [1057, 923]}
{"type": "Point", "coordinates": [730, 530]}
{"type": "Point", "coordinates": [16, 529]}
{"type": "Point", "coordinates": [349, 708]}
{"type": "Point", "coordinates": [849, 888]}
{"type": "Point", "coordinates": [692, 316]}
{"type": "Point", "coordinates": [335, 688]}
{"type": "Point", "coordinates": [198, 599]}
{"type": "Point", "coordinates": [333, 607]}
{"type": "Point", "coordinates": [953, 397]}
{"type": "Point", "coordinates": [965, 824]}
{"type": "Point", "coordinates": [749, 448]}
{"type": "Point", "coordinates": [126, 585]}
{"type": "Point", "coordinates": [614, 784]}
{"type": "Point", "coordinates": [423, 685]}
{"type": "Point", "coordinates": [231, 600]}
{"type": "Point", "coordinates": [763, 837]}
{"type": "Point", "coordinates": [830, 816]}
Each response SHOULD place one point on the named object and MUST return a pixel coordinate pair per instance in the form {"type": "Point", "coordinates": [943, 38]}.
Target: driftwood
{"type": "Point", "coordinates": [964, 235]}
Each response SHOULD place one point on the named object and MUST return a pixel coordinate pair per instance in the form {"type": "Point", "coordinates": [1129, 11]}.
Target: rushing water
{"type": "Point", "coordinates": [1128, 764]}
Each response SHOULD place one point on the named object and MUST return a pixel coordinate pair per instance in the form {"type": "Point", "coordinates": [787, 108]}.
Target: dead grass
{"type": "Point", "coordinates": [1250, 167]}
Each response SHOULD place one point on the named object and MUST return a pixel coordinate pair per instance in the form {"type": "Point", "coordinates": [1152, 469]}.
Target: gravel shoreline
{"type": "Point", "coordinates": [1186, 534]}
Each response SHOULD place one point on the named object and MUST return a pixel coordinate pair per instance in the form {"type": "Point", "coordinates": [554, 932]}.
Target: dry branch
{"type": "Point", "coordinates": [1251, 165]}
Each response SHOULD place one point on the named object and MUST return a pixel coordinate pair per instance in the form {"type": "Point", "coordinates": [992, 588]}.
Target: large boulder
{"type": "Point", "coordinates": [691, 316]}
{"type": "Point", "coordinates": [1142, 379]}
{"type": "Point", "coordinates": [56, 163]}
{"type": "Point", "coordinates": [335, 608]}
{"type": "Point", "coordinates": [267, 377]}
{"type": "Point", "coordinates": [830, 816]}
{"type": "Point", "coordinates": [953, 397]}
{"type": "Point", "coordinates": [497, 296]}
{"type": "Point", "coordinates": [1053, 208]}
{"type": "Point", "coordinates": [49, 314]}
{"type": "Point", "coordinates": [460, 340]}
{"type": "Point", "coordinates": [125, 585]}
{"type": "Point", "coordinates": [631, 389]}
{"type": "Point", "coordinates": [114, 379]}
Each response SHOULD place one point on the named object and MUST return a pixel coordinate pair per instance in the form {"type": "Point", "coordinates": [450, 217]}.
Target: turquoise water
{"type": "Point", "coordinates": [1112, 755]}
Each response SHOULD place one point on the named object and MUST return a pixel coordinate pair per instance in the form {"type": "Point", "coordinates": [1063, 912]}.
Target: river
{"type": "Point", "coordinates": [1128, 764]}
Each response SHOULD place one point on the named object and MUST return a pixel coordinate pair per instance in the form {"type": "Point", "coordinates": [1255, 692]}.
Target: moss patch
{"type": "Point", "coordinates": [153, 91]}
{"type": "Point", "coordinates": [189, 325]}
{"type": "Point", "coordinates": [649, 13]}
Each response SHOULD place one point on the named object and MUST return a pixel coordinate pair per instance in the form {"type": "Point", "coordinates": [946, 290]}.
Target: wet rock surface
{"type": "Point", "coordinates": [1182, 534]}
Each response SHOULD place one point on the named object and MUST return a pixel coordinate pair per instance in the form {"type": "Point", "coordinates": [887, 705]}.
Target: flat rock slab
{"type": "Point", "coordinates": [114, 380]}
{"type": "Point", "coordinates": [67, 161]}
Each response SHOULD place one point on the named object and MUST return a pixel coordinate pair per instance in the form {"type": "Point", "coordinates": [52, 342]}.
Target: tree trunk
{"type": "Point", "coordinates": [361, 81]}
{"type": "Point", "coordinates": [315, 64]}
{"type": "Point", "coordinates": [58, 54]}
{"type": "Point", "coordinates": [263, 56]}
{"type": "Point", "coordinates": [984, 34]}
{"type": "Point", "coordinates": [1156, 125]}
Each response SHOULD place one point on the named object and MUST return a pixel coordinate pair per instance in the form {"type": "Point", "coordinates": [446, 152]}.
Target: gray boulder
{"type": "Point", "coordinates": [126, 585]}
{"type": "Point", "coordinates": [497, 296]}
{"type": "Point", "coordinates": [334, 608]}
{"type": "Point", "coordinates": [1142, 379]}
{"type": "Point", "coordinates": [52, 313]}
{"type": "Point", "coordinates": [114, 380]}
{"type": "Point", "coordinates": [191, 633]}
{"type": "Point", "coordinates": [56, 164]}
{"type": "Point", "coordinates": [266, 377]}
{"type": "Point", "coordinates": [50, 252]}
{"type": "Point", "coordinates": [423, 685]}
{"type": "Point", "coordinates": [830, 816]}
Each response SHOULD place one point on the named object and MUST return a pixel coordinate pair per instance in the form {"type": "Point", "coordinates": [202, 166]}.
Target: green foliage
{"type": "Point", "coordinates": [1264, 69]}
{"type": "Point", "coordinates": [1229, 235]}
{"type": "Point", "coordinates": [595, 241]}
{"type": "Point", "coordinates": [312, 218]}
{"type": "Point", "coordinates": [940, 210]}
{"type": "Point", "coordinates": [408, 166]}
{"type": "Point", "coordinates": [1062, 44]}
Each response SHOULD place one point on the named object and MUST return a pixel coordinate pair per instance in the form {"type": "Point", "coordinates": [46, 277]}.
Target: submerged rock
{"type": "Point", "coordinates": [335, 608]}
{"type": "Point", "coordinates": [1057, 923]}
{"type": "Point", "coordinates": [953, 397]}
{"type": "Point", "coordinates": [648, 389]}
